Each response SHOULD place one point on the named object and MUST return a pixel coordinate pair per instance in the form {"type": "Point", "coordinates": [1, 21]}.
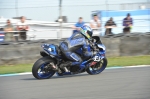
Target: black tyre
{"type": "Point", "coordinates": [98, 67]}
{"type": "Point", "coordinates": [42, 68]}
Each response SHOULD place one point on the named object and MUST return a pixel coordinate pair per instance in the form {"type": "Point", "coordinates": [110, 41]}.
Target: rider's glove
{"type": "Point", "coordinates": [94, 53]}
{"type": "Point", "coordinates": [92, 44]}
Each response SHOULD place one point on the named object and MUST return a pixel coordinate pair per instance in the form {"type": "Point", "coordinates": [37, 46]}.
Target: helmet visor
{"type": "Point", "coordinates": [85, 33]}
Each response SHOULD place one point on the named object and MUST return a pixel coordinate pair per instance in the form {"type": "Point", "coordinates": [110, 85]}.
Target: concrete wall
{"type": "Point", "coordinates": [22, 52]}
{"type": "Point", "coordinates": [135, 45]}
{"type": "Point", "coordinates": [127, 45]}
{"type": "Point", "coordinates": [116, 45]}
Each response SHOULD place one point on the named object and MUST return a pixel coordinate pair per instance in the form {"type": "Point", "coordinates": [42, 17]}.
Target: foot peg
{"type": "Point", "coordinates": [65, 69]}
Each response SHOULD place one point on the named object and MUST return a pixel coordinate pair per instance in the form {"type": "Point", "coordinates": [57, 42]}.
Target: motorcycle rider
{"type": "Point", "coordinates": [78, 40]}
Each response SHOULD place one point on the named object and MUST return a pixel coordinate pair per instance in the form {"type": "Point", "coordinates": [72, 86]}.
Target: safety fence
{"type": "Point", "coordinates": [35, 34]}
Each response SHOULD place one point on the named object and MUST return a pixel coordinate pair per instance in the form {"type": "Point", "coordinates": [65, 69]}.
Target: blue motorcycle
{"type": "Point", "coordinates": [52, 57]}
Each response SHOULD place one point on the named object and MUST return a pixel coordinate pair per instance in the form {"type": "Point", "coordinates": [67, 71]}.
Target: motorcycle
{"type": "Point", "coordinates": [52, 57]}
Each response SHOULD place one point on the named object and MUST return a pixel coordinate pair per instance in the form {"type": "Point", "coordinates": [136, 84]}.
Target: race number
{"type": "Point", "coordinates": [97, 58]}
{"type": "Point", "coordinates": [49, 49]}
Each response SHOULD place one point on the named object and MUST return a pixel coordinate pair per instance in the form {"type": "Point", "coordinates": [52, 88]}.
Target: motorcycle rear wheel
{"type": "Point", "coordinates": [41, 68]}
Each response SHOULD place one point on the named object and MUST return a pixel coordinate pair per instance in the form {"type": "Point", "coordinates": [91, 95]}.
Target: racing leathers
{"type": "Point", "coordinates": [70, 46]}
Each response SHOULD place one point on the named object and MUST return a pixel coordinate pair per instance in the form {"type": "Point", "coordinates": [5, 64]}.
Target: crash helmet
{"type": "Point", "coordinates": [86, 31]}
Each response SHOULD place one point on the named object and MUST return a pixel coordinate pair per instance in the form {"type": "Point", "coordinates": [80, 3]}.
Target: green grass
{"type": "Point", "coordinates": [19, 68]}
{"type": "Point", "coordinates": [112, 61]}
{"type": "Point", "coordinates": [129, 60]}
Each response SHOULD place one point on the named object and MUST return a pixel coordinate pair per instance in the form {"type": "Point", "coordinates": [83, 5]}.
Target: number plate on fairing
{"type": "Point", "coordinates": [97, 58]}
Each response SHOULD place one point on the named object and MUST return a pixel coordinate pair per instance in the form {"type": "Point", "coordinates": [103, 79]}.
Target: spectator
{"type": "Point", "coordinates": [95, 23]}
{"type": "Point", "coordinates": [127, 23]}
{"type": "Point", "coordinates": [8, 29]}
{"type": "Point", "coordinates": [78, 24]}
{"type": "Point", "coordinates": [109, 25]}
{"type": "Point", "coordinates": [23, 28]}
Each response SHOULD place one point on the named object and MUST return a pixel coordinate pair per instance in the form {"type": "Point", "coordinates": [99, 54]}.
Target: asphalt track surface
{"type": "Point", "coordinates": [127, 83]}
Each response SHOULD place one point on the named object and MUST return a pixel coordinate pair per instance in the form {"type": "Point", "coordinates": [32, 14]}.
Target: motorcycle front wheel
{"type": "Point", "coordinates": [98, 67]}
{"type": "Point", "coordinates": [42, 68]}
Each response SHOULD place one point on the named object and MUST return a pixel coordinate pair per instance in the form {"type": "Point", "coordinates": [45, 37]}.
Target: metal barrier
{"type": "Point", "coordinates": [35, 34]}
{"type": "Point", "coordinates": [44, 34]}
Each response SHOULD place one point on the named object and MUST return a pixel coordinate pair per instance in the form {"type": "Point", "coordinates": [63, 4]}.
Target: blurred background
{"type": "Point", "coordinates": [124, 25]}
{"type": "Point", "coordinates": [42, 16]}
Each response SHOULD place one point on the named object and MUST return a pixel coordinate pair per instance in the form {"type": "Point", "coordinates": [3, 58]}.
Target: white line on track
{"type": "Point", "coordinates": [115, 67]}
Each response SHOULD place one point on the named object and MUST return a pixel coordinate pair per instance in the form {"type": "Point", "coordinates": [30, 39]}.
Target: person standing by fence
{"type": "Point", "coordinates": [8, 29]}
{"type": "Point", "coordinates": [79, 24]}
{"type": "Point", "coordinates": [95, 24]}
{"type": "Point", "coordinates": [23, 27]}
{"type": "Point", "coordinates": [127, 23]}
{"type": "Point", "coordinates": [109, 25]}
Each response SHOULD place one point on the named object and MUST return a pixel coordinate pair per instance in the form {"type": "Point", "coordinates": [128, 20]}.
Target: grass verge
{"type": "Point", "coordinates": [112, 61]}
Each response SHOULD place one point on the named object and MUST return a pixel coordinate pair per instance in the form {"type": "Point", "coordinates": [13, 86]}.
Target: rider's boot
{"type": "Point", "coordinates": [64, 65]}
